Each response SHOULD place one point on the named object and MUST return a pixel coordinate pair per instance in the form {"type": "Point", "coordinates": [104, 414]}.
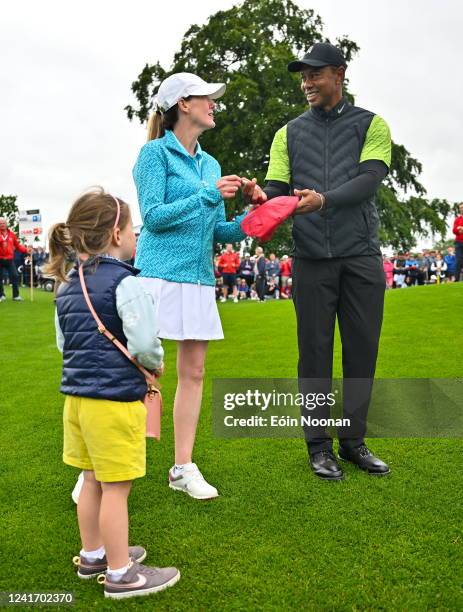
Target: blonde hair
{"type": "Point", "coordinates": [88, 229]}
{"type": "Point", "coordinates": [154, 127]}
{"type": "Point", "coordinates": [159, 122]}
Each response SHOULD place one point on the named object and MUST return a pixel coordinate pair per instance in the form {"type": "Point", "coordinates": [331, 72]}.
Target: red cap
{"type": "Point", "coordinates": [262, 222]}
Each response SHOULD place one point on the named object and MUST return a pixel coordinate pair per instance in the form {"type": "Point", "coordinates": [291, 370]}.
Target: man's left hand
{"type": "Point", "coordinates": [310, 201]}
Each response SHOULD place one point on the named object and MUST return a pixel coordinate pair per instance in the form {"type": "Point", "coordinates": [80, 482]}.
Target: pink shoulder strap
{"type": "Point", "coordinates": [150, 378]}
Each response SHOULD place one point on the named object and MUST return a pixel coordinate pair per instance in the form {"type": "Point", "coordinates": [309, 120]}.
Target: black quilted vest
{"type": "Point", "coordinates": [92, 365]}
{"type": "Point", "coordinates": [324, 152]}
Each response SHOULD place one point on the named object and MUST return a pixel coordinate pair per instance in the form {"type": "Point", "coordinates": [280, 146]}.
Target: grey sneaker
{"type": "Point", "coordinates": [87, 568]}
{"type": "Point", "coordinates": [18, 299]}
{"type": "Point", "coordinates": [140, 580]}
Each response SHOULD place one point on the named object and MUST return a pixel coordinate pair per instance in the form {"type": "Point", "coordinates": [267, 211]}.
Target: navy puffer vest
{"type": "Point", "coordinates": [324, 152]}
{"type": "Point", "coordinates": [92, 365]}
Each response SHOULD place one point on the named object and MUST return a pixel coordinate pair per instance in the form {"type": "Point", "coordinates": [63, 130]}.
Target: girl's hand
{"type": "Point", "coordinates": [158, 372]}
{"type": "Point", "coordinates": [228, 186]}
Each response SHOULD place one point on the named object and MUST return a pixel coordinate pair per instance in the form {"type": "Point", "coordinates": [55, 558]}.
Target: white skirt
{"type": "Point", "coordinates": [184, 311]}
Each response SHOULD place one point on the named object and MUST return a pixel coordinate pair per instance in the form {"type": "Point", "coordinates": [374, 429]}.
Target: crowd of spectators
{"type": "Point", "coordinates": [20, 268]}
{"type": "Point", "coordinates": [252, 277]}
{"type": "Point", "coordinates": [23, 265]}
{"type": "Point", "coordinates": [426, 268]}
{"type": "Point", "coordinates": [255, 277]}
{"type": "Point", "coordinates": [261, 278]}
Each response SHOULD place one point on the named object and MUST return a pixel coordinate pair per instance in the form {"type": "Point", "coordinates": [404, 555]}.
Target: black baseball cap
{"type": "Point", "coordinates": [321, 54]}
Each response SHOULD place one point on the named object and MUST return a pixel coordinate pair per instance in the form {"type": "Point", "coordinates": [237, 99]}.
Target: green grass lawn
{"type": "Point", "coordinates": [277, 538]}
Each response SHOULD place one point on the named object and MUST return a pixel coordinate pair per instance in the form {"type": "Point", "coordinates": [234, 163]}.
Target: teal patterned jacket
{"type": "Point", "coordinates": [182, 211]}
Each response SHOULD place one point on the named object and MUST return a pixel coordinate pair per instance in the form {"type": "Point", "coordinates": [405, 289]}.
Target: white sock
{"type": "Point", "coordinates": [117, 574]}
{"type": "Point", "coordinates": [179, 468]}
{"type": "Point", "coordinates": [93, 555]}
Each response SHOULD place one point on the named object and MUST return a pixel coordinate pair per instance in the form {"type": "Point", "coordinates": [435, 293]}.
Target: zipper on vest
{"type": "Point", "coordinates": [326, 187]}
{"type": "Point", "coordinates": [325, 173]}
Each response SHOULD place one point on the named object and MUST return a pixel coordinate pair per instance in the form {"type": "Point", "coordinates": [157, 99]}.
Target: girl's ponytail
{"type": "Point", "coordinates": [61, 252]}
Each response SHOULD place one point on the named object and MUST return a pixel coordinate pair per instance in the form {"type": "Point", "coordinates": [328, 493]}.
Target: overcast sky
{"type": "Point", "coordinates": [67, 68]}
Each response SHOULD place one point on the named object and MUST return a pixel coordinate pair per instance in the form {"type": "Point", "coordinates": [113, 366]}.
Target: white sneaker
{"type": "Point", "coordinates": [2, 298]}
{"type": "Point", "coordinates": [18, 299]}
{"type": "Point", "coordinates": [78, 488]}
{"type": "Point", "coordinates": [191, 481]}
{"type": "Point", "coordinates": [235, 300]}
{"type": "Point", "coordinates": [222, 299]}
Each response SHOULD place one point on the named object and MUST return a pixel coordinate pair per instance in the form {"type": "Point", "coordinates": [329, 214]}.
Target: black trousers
{"type": "Point", "coordinates": [351, 289]}
{"type": "Point", "coordinates": [458, 259]}
{"type": "Point", "coordinates": [261, 284]}
{"type": "Point", "coordinates": [8, 265]}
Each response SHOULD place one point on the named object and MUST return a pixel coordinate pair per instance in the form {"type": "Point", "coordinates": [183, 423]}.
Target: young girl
{"type": "Point", "coordinates": [180, 192]}
{"type": "Point", "coordinates": [439, 268]}
{"type": "Point", "coordinates": [104, 419]}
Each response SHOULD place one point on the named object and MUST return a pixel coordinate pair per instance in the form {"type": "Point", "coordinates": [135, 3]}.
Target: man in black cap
{"type": "Point", "coordinates": [334, 156]}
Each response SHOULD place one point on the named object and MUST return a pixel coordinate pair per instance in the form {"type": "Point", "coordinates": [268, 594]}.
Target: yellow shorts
{"type": "Point", "coordinates": [106, 437]}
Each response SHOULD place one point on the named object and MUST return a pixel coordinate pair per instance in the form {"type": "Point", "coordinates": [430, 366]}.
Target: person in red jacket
{"type": "Point", "coordinates": [286, 266]}
{"type": "Point", "coordinates": [458, 231]}
{"type": "Point", "coordinates": [228, 264]}
{"type": "Point", "coordinates": [8, 244]}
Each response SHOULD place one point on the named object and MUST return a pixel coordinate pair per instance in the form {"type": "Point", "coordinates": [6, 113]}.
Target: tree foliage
{"type": "Point", "coordinates": [9, 210]}
{"type": "Point", "coordinates": [248, 47]}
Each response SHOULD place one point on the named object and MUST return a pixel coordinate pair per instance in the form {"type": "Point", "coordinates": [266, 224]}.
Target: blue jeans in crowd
{"type": "Point", "coordinates": [8, 265]}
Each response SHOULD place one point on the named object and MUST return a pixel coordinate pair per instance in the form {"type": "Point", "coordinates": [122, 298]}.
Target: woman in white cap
{"type": "Point", "coordinates": [180, 193]}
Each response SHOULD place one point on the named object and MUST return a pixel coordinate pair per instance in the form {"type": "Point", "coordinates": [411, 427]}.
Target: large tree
{"type": "Point", "coordinates": [9, 210]}
{"type": "Point", "coordinates": [248, 47]}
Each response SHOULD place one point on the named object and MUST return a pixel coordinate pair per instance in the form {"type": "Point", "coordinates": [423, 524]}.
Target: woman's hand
{"type": "Point", "coordinates": [252, 193]}
{"type": "Point", "coordinates": [228, 186]}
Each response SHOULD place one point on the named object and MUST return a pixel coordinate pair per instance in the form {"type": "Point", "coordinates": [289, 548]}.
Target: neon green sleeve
{"type": "Point", "coordinates": [377, 142]}
{"type": "Point", "coordinates": [278, 167]}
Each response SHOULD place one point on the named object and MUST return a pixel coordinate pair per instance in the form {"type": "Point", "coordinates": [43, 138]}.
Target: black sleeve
{"type": "Point", "coordinates": [274, 189]}
{"type": "Point", "coordinates": [361, 187]}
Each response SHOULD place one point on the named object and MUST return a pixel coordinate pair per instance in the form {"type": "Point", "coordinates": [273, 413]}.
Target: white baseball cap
{"type": "Point", "coordinates": [182, 85]}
